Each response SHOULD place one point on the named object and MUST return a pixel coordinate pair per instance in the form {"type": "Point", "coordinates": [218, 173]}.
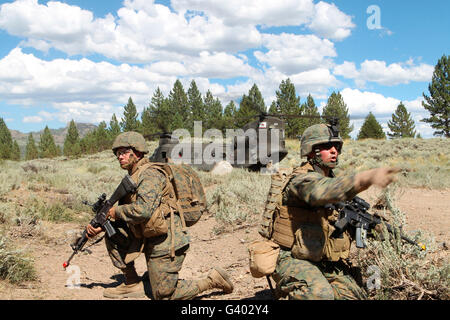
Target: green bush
{"type": "Point", "coordinates": [15, 265]}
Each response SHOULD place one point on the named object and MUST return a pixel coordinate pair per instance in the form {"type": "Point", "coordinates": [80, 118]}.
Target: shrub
{"type": "Point", "coordinates": [15, 265]}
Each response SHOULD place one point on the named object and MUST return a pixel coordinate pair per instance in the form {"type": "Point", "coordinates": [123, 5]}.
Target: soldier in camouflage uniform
{"type": "Point", "coordinates": [126, 245]}
{"type": "Point", "coordinates": [311, 264]}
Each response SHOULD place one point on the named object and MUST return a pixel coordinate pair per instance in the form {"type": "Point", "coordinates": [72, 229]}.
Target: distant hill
{"type": "Point", "coordinates": [58, 134]}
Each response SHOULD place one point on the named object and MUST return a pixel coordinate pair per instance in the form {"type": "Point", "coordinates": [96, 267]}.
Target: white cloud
{"type": "Point", "coordinates": [331, 23]}
{"type": "Point", "coordinates": [360, 103]}
{"type": "Point", "coordinates": [290, 53]}
{"type": "Point", "coordinates": [390, 75]}
{"type": "Point", "coordinates": [252, 12]}
{"type": "Point", "coordinates": [32, 119]}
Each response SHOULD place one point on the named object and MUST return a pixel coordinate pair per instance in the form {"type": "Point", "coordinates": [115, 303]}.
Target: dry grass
{"type": "Point", "coordinates": [52, 190]}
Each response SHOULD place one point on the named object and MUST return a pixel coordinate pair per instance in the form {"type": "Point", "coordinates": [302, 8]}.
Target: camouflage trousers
{"type": "Point", "coordinates": [163, 271]}
{"type": "Point", "coordinates": [304, 280]}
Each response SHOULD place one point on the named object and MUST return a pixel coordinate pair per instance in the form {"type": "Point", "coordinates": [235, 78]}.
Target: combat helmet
{"type": "Point", "coordinates": [318, 134]}
{"type": "Point", "coordinates": [130, 139]}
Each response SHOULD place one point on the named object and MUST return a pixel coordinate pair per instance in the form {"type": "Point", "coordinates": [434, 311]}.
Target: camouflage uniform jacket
{"type": "Point", "coordinates": [306, 194]}
{"type": "Point", "coordinates": [313, 189]}
{"type": "Point", "coordinates": [148, 197]}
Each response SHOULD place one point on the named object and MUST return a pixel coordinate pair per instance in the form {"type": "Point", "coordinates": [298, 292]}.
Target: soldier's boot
{"type": "Point", "coordinates": [131, 288]}
{"type": "Point", "coordinates": [216, 279]}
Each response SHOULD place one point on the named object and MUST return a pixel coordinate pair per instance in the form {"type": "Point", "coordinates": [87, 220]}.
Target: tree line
{"type": "Point", "coordinates": [181, 108]}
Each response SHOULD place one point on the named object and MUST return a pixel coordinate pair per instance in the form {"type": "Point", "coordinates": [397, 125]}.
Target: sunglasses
{"type": "Point", "coordinates": [122, 152]}
{"type": "Point", "coordinates": [329, 145]}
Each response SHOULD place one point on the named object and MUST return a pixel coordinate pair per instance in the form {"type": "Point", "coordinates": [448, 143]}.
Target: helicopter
{"type": "Point", "coordinates": [256, 145]}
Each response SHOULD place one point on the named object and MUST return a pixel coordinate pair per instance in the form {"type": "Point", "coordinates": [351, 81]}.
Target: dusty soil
{"type": "Point", "coordinates": [427, 210]}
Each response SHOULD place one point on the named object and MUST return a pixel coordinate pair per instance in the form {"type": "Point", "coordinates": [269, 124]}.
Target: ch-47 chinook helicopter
{"type": "Point", "coordinates": [257, 144]}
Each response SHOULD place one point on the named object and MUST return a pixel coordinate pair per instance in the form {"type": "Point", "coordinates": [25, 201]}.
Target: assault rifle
{"type": "Point", "coordinates": [101, 208]}
{"type": "Point", "coordinates": [353, 214]}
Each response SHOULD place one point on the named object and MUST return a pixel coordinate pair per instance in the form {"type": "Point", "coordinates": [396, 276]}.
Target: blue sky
{"type": "Point", "coordinates": [82, 59]}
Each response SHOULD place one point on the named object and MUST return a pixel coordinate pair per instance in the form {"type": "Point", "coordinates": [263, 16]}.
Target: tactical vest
{"type": "Point", "coordinates": [183, 194]}
{"type": "Point", "coordinates": [304, 231]}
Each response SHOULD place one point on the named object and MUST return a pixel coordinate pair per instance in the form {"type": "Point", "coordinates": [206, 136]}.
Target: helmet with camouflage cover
{"type": "Point", "coordinates": [315, 135]}
{"type": "Point", "coordinates": [130, 139]}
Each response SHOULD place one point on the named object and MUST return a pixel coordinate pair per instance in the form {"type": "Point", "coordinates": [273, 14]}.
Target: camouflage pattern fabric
{"type": "Point", "coordinates": [150, 187]}
{"type": "Point", "coordinates": [164, 277]}
{"type": "Point", "coordinates": [130, 139]}
{"type": "Point", "coordinates": [163, 270]}
{"type": "Point", "coordinates": [304, 280]}
{"type": "Point", "coordinates": [313, 190]}
{"type": "Point", "coordinates": [314, 135]}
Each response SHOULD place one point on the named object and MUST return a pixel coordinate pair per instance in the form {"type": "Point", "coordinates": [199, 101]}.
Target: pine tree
{"type": "Point", "coordinates": [47, 146]}
{"type": "Point", "coordinates": [371, 129]}
{"type": "Point", "coordinates": [31, 151]}
{"type": "Point", "coordinates": [179, 108]}
{"type": "Point", "coordinates": [251, 105]}
{"type": "Point", "coordinates": [228, 115]}
{"type": "Point", "coordinates": [114, 128]}
{"type": "Point", "coordinates": [310, 109]}
{"type": "Point", "coordinates": [213, 112]}
{"type": "Point", "coordinates": [160, 112]}
{"type": "Point", "coordinates": [148, 125]}
{"type": "Point", "coordinates": [401, 126]}
{"type": "Point", "coordinates": [72, 146]}
{"type": "Point", "coordinates": [438, 103]}
{"type": "Point", "coordinates": [15, 154]}
{"type": "Point", "coordinates": [102, 137]}
{"type": "Point", "coordinates": [6, 142]}
{"type": "Point", "coordinates": [336, 107]}
{"type": "Point", "coordinates": [288, 103]}
{"type": "Point", "coordinates": [196, 104]}
{"type": "Point", "coordinates": [130, 121]}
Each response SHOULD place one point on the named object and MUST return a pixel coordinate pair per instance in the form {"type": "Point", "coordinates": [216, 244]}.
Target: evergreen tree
{"type": "Point", "coordinates": [196, 104]}
{"type": "Point", "coordinates": [160, 112]}
{"type": "Point", "coordinates": [148, 125]}
{"type": "Point", "coordinates": [130, 121]}
{"type": "Point", "coordinates": [287, 103]}
{"type": "Point", "coordinates": [15, 154]}
{"type": "Point", "coordinates": [213, 112]}
{"type": "Point", "coordinates": [102, 137]}
{"type": "Point", "coordinates": [31, 151]}
{"type": "Point", "coordinates": [438, 103]}
{"type": "Point", "coordinates": [72, 146]}
{"type": "Point", "coordinates": [273, 108]}
{"type": "Point", "coordinates": [6, 142]}
{"type": "Point", "coordinates": [251, 105]}
{"type": "Point", "coordinates": [47, 146]}
{"type": "Point", "coordinates": [228, 115]}
{"type": "Point", "coordinates": [114, 127]}
{"type": "Point", "coordinates": [371, 129]}
{"type": "Point", "coordinates": [336, 107]}
{"type": "Point", "coordinates": [179, 108]}
{"type": "Point", "coordinates": [401, 126]}
{"type": "Point", "coordinates": [310, 109]}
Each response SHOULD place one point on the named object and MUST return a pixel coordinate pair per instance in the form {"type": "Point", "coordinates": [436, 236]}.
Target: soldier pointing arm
{"type": "Point", "coordinates": [311, 263]}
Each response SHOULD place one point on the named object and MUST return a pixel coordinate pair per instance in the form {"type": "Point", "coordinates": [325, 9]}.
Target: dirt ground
{"type": "Point", "coordinates": [426, 210]}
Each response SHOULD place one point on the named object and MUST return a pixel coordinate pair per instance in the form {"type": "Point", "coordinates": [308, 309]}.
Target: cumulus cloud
{"type": "Point", "coordinates": [360, 103]}
{"type": "Point", "coordinates": [32, 119]}
{"type": "Point", "coordinates": [390, 75]}
{"type": "Point", "coordinates": [331, 23]}
{"type": "Point", "coordinates": [290, 53]}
